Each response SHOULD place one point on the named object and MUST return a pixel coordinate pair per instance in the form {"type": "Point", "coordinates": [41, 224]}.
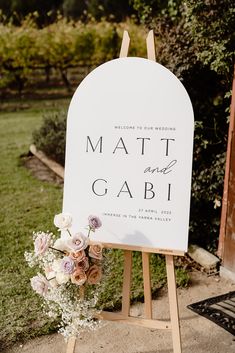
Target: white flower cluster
{"type": "Point", "coordinates": [70, 264]}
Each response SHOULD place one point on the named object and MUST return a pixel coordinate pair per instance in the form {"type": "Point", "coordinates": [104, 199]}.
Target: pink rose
{"type": "Point", "coordinates": [77, 255]}
{"type": "Point", "coordinates": [95, 251]}
{"type": "Point", "coordinates": [41, 243]}
{"type": "Point", "coordinates": [94, 274]}
{"type": "Point", "coordinates": [40, 284]}
{"type": "Point", "coordinates": [78, 277]}
{"type": "Point", "coordinates": [83, 264]}
{"type": "Point", "coordinates": [77, 242]}
{"type": "Point", "coordinates": [94, 222]}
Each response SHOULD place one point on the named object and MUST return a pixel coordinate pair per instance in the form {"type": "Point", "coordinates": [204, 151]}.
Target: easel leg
{"type": "Point", "coordinates": [71, 345]}
{"type": "Point", "coordinates": [126, 289]}
{"type": "Point", "coordinates": [124, 45]}
{"type": "Point", "coordinates": [147, 285]}
{"type": "Point", "coordinates": [173, 303]}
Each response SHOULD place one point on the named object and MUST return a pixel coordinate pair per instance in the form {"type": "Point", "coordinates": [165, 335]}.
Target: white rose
{"type": "Point", "coordinates": [60, 244]}
{"type": "Point", "coordinates": [63, 221]}
{"type": "Point", "coordinates": [62, 277]}
{"type": "Point", "coordinates": [56, 265]}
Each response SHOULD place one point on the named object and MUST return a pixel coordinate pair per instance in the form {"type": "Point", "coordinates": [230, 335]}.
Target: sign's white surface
{"type": "Point", "coordinates": [129, 155]}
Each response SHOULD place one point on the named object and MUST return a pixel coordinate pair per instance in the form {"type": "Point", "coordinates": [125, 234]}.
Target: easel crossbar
{"type": "Point", "coordinates": [143, 249]}
{"type": "Point", "coordinates": [156, 324]}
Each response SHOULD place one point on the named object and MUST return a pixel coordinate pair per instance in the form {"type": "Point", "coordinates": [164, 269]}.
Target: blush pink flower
{"type": "Point", "coordinates": [94, 274]}
{"type": "Point", "coordinates": [40, 284]}
{"type": "Point", "coordinates": [83, 264]}
{"type": "Point", "coordinates": [77, 255]}
{"type": "Point", "coordinates": [78, 277]}
{"type": "Point", "coordinates": [41, 243]}
{"type": "Point", "coordinates": [95, 251]}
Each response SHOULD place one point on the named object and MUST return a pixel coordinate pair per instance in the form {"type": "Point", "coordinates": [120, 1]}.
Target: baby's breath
{"type": "Point", "coordinates": [63, 300]}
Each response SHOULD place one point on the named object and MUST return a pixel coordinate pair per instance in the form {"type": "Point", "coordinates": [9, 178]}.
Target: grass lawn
{"type": "Point", "coordinates": [28, 205]}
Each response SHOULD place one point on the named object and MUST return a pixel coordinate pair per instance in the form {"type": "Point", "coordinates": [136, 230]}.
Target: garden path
{"type": "Point", "coordinates": [199, 335]}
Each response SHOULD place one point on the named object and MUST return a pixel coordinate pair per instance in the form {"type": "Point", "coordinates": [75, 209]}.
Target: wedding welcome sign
{"type": "Point", "coordinates": [129, 155]}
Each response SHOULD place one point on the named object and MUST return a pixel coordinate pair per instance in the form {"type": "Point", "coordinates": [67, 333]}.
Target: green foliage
{"type": "Point", "coordinates": [74, 9]}
{"type": "Point", "coordinates": [16, 10]}
{"type": "Point", "coordinates": [147, 10]}
{"type": "Point", "coordinates": [59, 46]}
{"type": "Point", "coordinates": [111, 295]}
{"type": "Point", "coordinates": [212, 25]}
{"type": "Point", "coordinates": [111, 9]}
{"type": "Point", "coordinates": [198, 45]}
{"type": "Point", "coordinates": [182, 277]}
{"type": "Point", "coordinates": [27, 205]}
{"type": "Point", "coordinates": [51, 136]}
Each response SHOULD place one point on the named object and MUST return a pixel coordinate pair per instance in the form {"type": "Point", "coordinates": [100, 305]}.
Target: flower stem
{"type": "Point", "coordinates": [69, 232]}
{"type": "Point", "coordinates": [89, 232]}
{"type": "Point", "coordinates": [62, 252]}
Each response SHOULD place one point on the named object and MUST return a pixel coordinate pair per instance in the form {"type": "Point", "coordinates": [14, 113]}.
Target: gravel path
{"type": "Point", "coordinates": [199, 335]}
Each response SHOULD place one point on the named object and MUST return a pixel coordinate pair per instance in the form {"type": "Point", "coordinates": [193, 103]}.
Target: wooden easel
{"type": "Point", "coordinates": [124, 315]}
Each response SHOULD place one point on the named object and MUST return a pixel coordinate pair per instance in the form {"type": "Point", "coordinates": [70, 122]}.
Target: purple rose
{"type": "Point", "coordinates": [77, 242]}
{"type": "Point", "coordinates": [40, 284]}
{"type": "Point", "coordinates": [67, 265]}
{"type": "Point", "coordinates": [94, 222]}
{"type": "Point", "coordinates": [41, 243]}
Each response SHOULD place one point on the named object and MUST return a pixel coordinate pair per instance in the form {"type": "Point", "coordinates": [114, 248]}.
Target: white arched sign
{"type": "Point", "coordinates": [129, 155]}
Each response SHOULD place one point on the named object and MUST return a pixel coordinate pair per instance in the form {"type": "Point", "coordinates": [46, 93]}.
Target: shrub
{"type": "Point", "coordinates": [196, 42]}
{"type": "Point", "coordinates": [50, 137]}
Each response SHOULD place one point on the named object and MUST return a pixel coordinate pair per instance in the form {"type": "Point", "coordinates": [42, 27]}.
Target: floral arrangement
{"type": "Point", "coordinates": [70, 263]}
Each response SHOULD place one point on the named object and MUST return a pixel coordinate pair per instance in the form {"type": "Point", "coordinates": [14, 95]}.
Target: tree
{"type": "Point", "coordinates": [114, 10]}
{"type": "Point", "coordinates": [21, 8]}
{"type": "Point", "coordinates": [197, 43]}
{"type": "Point", "coordinates": [118, 10]}
{"type": "Point", "coordinates": [74, 8]}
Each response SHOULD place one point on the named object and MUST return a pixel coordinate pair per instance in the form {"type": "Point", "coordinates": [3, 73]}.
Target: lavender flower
{"type": "Point", "coordinates": [40, 284]}
{"type": "Point", "coordinates": [67, 265]}
{"type": "Point", "coordinates": [94, 222]}
{"type": "Point", "coordinates": [78, 242]}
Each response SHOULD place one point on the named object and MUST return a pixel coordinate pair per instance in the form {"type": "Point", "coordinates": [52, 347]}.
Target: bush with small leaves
{"type": "Point", "coordinates": [51, 136]}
